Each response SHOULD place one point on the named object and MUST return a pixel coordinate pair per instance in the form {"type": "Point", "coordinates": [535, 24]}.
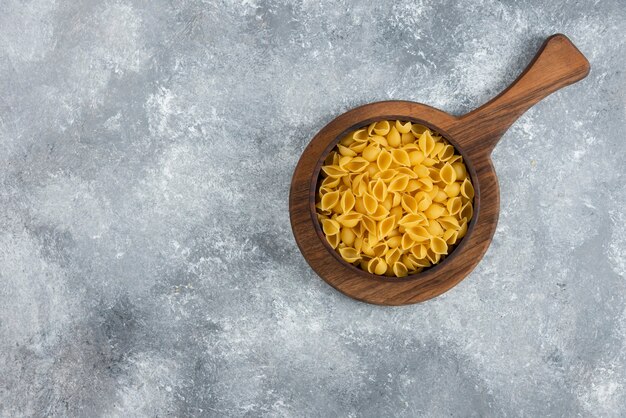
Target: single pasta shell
{"type": "Point", "coordinates": [418, 233]}
{"type": "Point", "coordinates": [349, 254]}
{"type": "Point", "coordinates": [403, 128]}
{"type": "Point", "coordinates": [401, 157]}
{"type": "Point", "coordinates": [331, 181]}
{"type": "Point", "coordinates": [360, 135]}
{"type": "Point", "coordinates": [369, 224]}
{"type": "Point", "coordinates": [449, 222]}
{"type": "Point", "coordinates": [343, 150]}
{"type": "Point", "coordinates": [347, 140]}
{"type": "Point", "coordinates": [441, 197]}
{"type": "Point", "coordinates": [446, 153]}
{"type": "Point", "coordinates": [330, 200]}
{"type": "Point", "coordinates": [386, 226]}
{"type": "Point", "coordinates": [434, 211]}
{"type": "Point", "coordinates": [370, 203]}
{"type": "Point", "coordinates": [417, 129]}
{"type": "Point", "coordinates": [409, 203]}
{"type": "Point", "coordinates": [392, 256]}
{"type": "Point", "coordinates": [381, 267]}
{"type": "Point", "coordinates": [426, 142]}
{"type": "Point", "coordinates": [411, 219]}
{"type": "Point", "coordinates": [447, 174]}
{"type": "Point", "coordinates": [419, 251]}
{"type": "Point", "coordinates": [358, 147]}
{"type": "Point", "coordinates": [438, 246]}
{"type": "Point", "coordinates": [348, 236]}
{"type": "Point", "coordinates": [379, 190]}
{"type": "Point", "coordinates": [400, 270]}
{"type": "Point", "coordinates": [423, 262]}
{"type": "Point", "coordinates": [460, 170]}
{"type": "Point", "coordinates": [357, 164]}
{"type": "Point", "coordinates": [407, 171]}
{"type": "Point", "coordinates": [416, 157]}
{"type": "Point", "coordinates": [349, 220]}
{"type": "Point", "coordinates": [334, 171]}
{"type": "Point", "coordinates": [406, 242]}
{"type": "Point", "coordinates": [393, 137]}
{"type": "Point", "coordinates": [433, 257]}
{"type": "Point", "coordinates": [399, 183]}
{"type": "Point", "coordinates": [453, 189]}
{"type": "Point", "coordinates": [382, 127]}
{"type": "Point", "coordinates": [370, 128]}
{"type": "Point", "coordinates": [467, 211]}
{"type": "Point", "coordinates": [467, 189]}
{"type": "Point", "coordinates": [421, 171]}
{"type": "Point", "coordinates": [347, 201]}
{"type": "Point", "coordinates": [379, 140]}
{"type": "Point", "coordinates": [383, 160]}
{"type": "Point", "coordinates": [380, 249]}
{"type": "Point", "coordinates": [454, 205]}
{"type": "Point", "coordinates": [370, 153]}
{"type": "Point", "coordinates": [343, 161]}
{"type": "Point", "coordinates": [333, 240]}
{"type": "Point", "coordinates": [330, 226]}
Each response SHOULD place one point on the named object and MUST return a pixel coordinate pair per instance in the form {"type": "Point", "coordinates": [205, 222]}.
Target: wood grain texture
{"type": "Point", "coordinates": [557, 64]}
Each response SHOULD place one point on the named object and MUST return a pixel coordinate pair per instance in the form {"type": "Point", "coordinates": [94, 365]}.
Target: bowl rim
{"type": "Point", "coordinates": [315, 180]}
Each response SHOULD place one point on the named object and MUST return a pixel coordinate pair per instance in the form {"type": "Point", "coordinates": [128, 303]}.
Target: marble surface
{"type": "Point", "coordinates": [147, 265]}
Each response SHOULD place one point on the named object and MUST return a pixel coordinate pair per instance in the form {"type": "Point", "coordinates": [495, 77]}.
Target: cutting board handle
{"type": "Point", "coordinates": [557, 64]}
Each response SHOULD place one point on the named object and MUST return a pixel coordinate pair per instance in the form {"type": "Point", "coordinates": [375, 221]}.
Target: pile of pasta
{"type": "Point", "coordinates": [394, 198]}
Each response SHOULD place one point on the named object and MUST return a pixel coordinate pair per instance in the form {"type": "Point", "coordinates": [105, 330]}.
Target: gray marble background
{"type": "Point", "coordinates": [147, 265]}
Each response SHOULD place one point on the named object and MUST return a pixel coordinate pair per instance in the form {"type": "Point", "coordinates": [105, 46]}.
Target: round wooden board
{"type": "Point", "coordinates": [557, 64]}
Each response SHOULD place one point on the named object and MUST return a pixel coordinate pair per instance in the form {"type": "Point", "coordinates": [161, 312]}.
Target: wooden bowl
{"type": "Point", "coordinates": [557, 64]}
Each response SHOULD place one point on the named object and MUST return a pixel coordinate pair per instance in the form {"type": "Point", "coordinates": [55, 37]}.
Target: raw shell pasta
{"type": "Point", "coordinates": [394, 198]}
{"type": "Point", "coordinates": [349, 254]}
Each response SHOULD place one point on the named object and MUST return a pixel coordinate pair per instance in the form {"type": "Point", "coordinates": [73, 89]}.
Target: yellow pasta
{"type": "Point", "coordinates": [394, 198]}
